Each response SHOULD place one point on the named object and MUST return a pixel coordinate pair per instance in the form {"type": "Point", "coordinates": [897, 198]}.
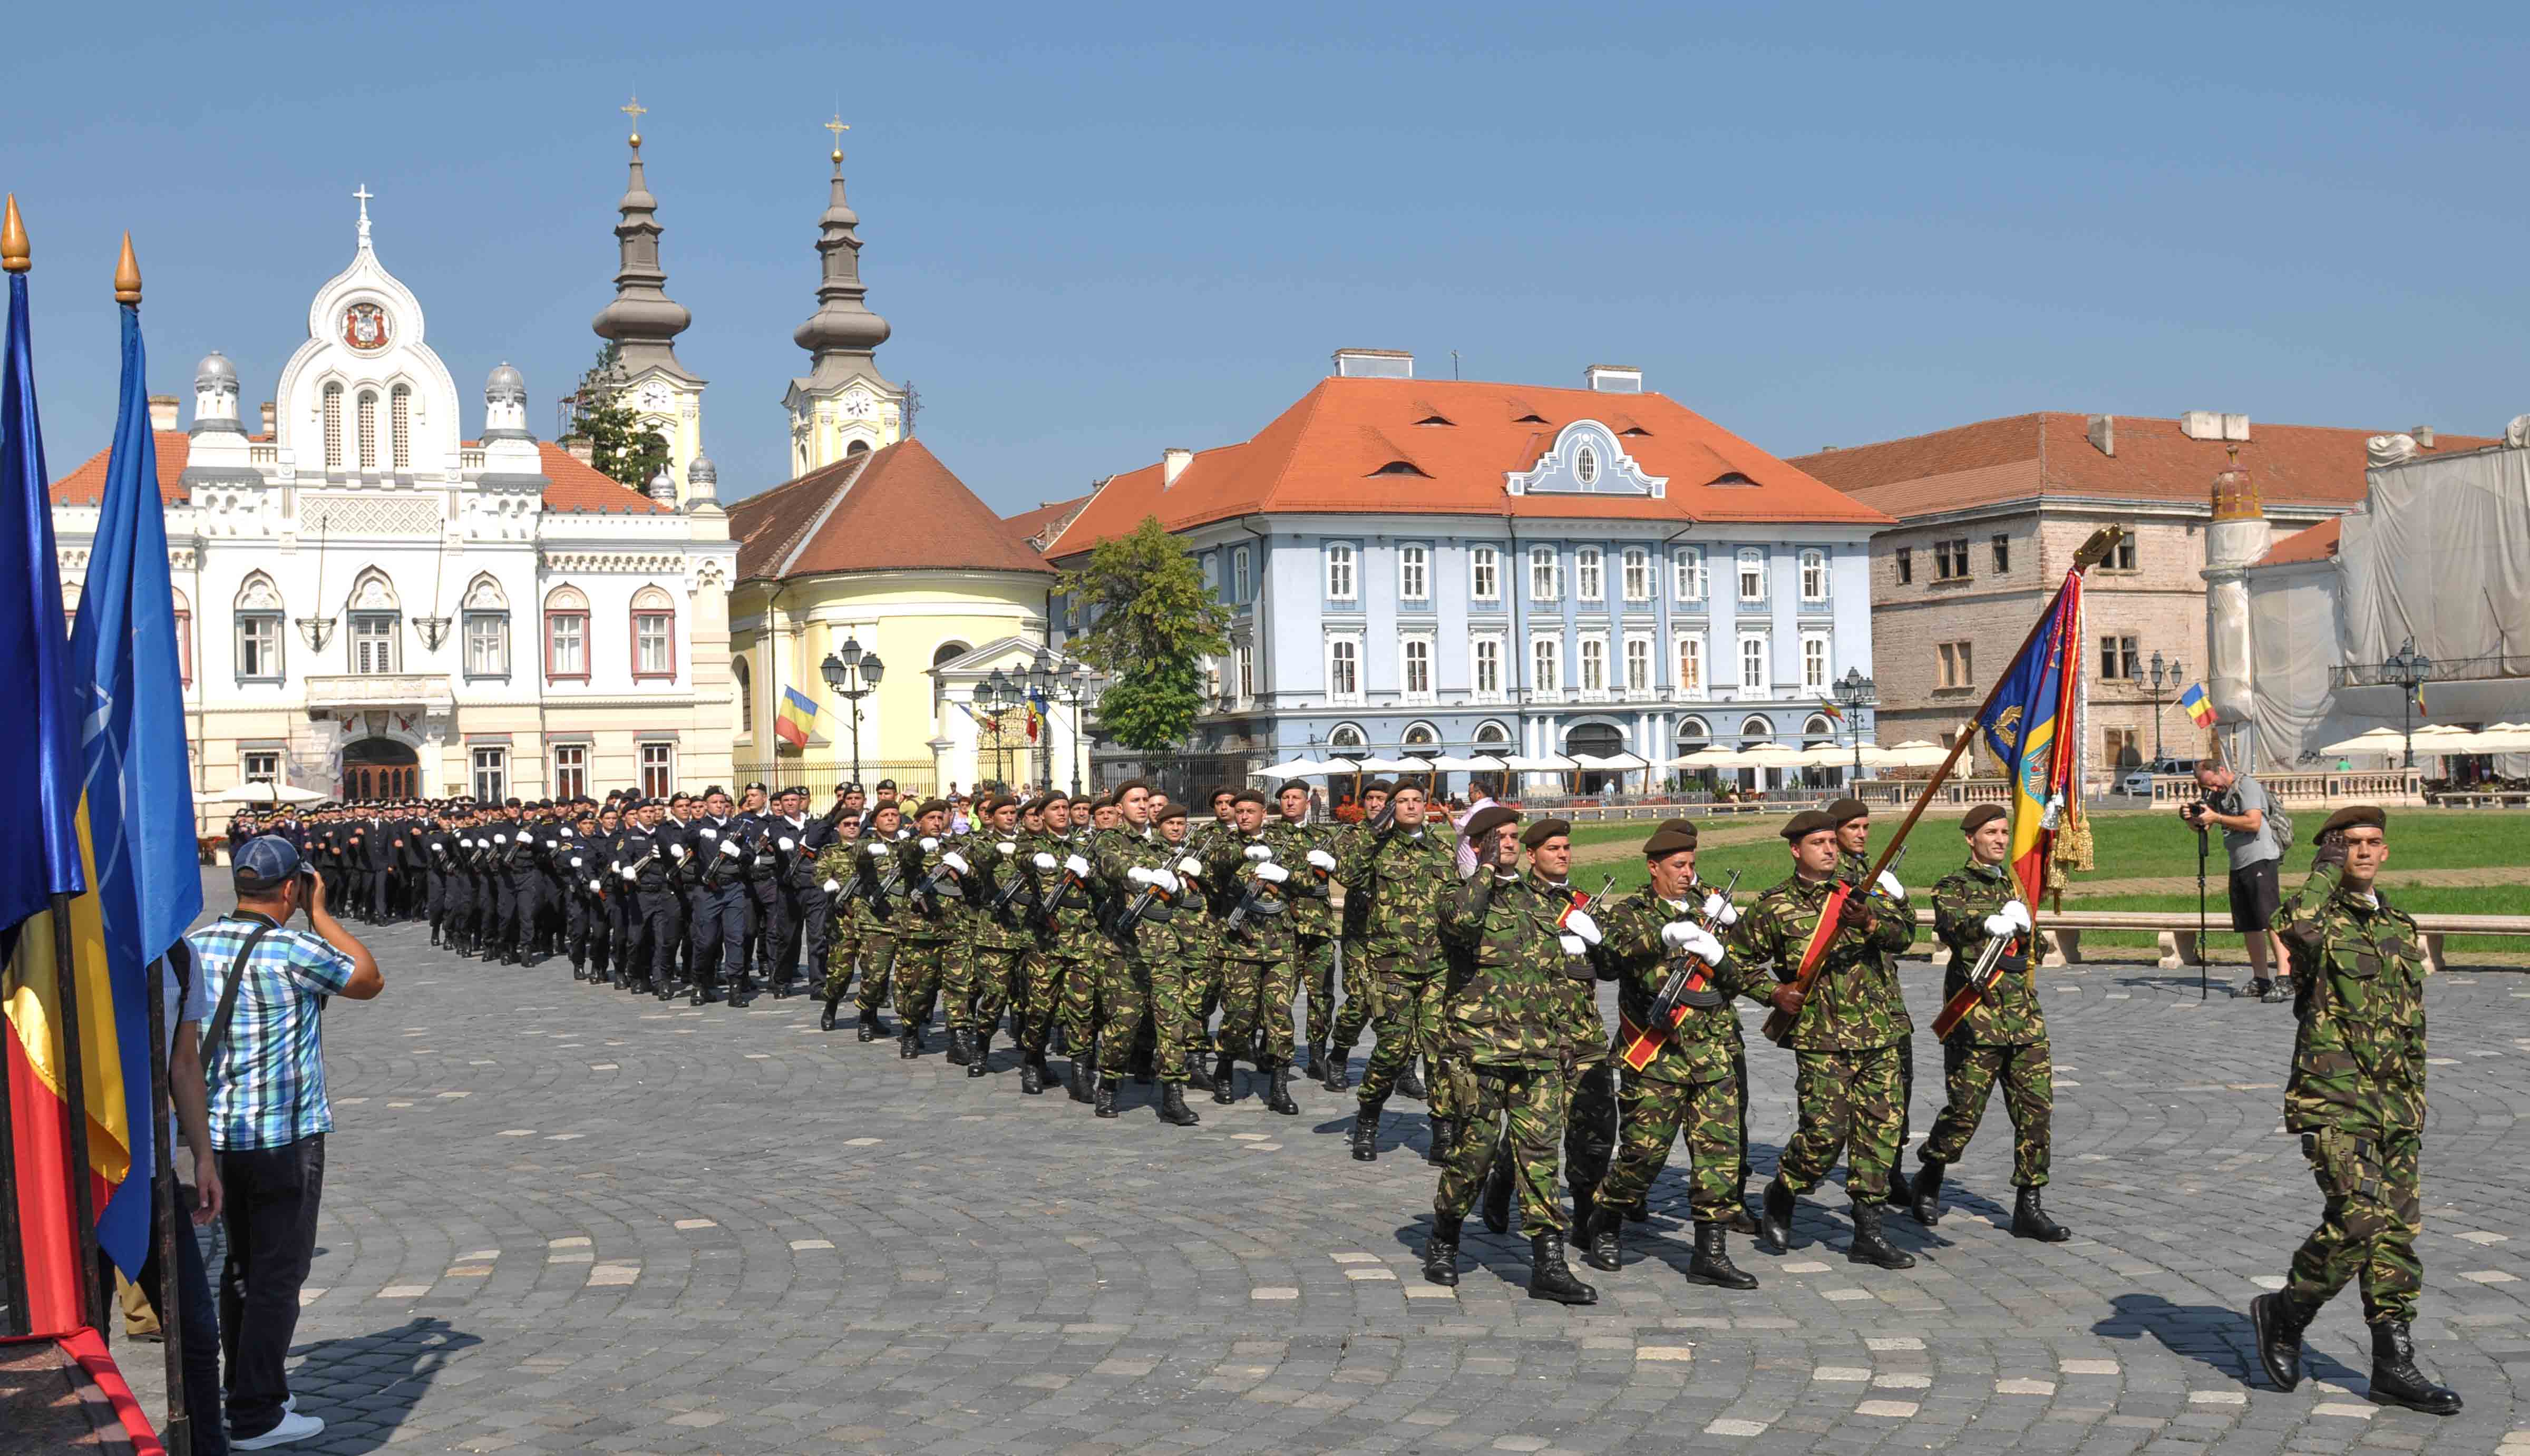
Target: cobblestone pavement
{"type": "Point", "coordinates": [561, 1218]}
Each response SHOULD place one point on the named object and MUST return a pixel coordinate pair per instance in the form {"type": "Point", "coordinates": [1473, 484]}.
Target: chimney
{"type": "Point", "coordinates": [2209, 424]}
{"type": "Point", "coordinates": [2424, 435]}
{"type": "Point", "coordinates": [269, 429]}
{"type": "Point", "coordinates": [581, 449]}
{"type": "Point", "coordinates": [162, 411]}
{"type": "Point", "coordinates": [1614, 379]}
{"type": "Point", "coordinates": [2104, 434]}
{"type": "Point", "coordinates": [1172, 464]}
{"type": "Point", "coordinates": [1374, 364]}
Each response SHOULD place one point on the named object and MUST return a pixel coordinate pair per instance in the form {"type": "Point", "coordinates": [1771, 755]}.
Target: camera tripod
{"type": "Point", "coordinates": [2201, 972]}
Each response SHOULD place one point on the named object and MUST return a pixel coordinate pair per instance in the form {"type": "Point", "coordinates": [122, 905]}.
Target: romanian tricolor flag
{"type": "Point", "coordinates": [798, 715]}
{"type": "Point", "coordinates": [2200, 709]}
{"type": "Point", "coordinates": [1834, 713]}
{"type": "Point", "coordinates": [2029, 726]}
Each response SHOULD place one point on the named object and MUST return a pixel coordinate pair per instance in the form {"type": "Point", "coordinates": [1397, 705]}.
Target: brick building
{"type": "Point", "coordinates": [1990, 515]}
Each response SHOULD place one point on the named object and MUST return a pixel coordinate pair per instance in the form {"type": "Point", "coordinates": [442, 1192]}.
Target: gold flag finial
{"type": "Point", "coordinates": [635, 110]}
{"type": "Point", "coordinates": [13, 241]}
{"type": "Point", "coordinates": [127, 275]}
{"type": "Point", "coordinates": [839, 127]}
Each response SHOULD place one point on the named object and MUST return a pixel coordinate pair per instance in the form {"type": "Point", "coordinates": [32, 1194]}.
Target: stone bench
{"type": "Point", "coordinates": [2059, 933]}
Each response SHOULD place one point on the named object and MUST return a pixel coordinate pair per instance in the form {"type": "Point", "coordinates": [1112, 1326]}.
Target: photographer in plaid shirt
{"type": "Point", "coordinates": [268, 1114]}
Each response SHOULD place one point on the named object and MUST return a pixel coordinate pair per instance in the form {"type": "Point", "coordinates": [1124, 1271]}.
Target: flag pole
{"type": "Point", "coordinates": [13, 1249]}
{"type": "Point", "coordinates": [164, 1198]}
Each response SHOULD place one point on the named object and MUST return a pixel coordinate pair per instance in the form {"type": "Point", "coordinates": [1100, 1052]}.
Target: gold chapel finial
{"type": "Point", "coordinates": [13, 241]}
{"type": "Point", "coordinates": [839, 127]}
{"type": "Point", "coordinates": [127, 275]}
{"type": "Point", "coordinates": [635, 110]}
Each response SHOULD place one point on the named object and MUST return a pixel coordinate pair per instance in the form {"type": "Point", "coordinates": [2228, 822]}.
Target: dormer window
{"type": "Point", "coordinates": [1402, 467]}
{"type": "Point", "coordinates": [1585, 465]}
{"type": "Point", "coordinates": [1732, 479]}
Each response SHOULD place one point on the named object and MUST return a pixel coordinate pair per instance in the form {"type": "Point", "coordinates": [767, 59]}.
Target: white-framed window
{"type": "Point", "coordinates": [487, 644]}
{"type": "Point", "coordinates": [1692, 734]}
{"type": "Point", "coordinates": [1546, 664]}
{"type": "Point", "coordinates": [1690, 663]}
{"type": "Point", "coordinates": [1414, 574]}
{"type": "Point", "coordinates": [1813, 575]}
{"type": "Point", "coordinates": [1545, 575]}
{"type": "Point", "coordinates": [1585, 465]}
{"type": "Point", "coordinates": [1417, 665]}
{"type": "Point", "coordinates": [1752, 662]}
{"type": "Point", "coordinates": [333, 426]}
{"type": "Point", "coordinates": [1242, 575]}
{"type": "Point", "coordinates": [1485, 667]}
{"type": "Point", "coordinates": [1484, 573]}
{"type": "Point", "coordinates": [400, 427]}
{"type": "Point", "coordinates": [258, 644]}
{"type": "Point", "coordinates": [1686, 573]}
{"type": "Point", "coordinates": [374, 643]}
{"type": "Point", "coordinates": [1491, 735]}
{"type": "Point", "coordinates": [1752, 574]}
{"type": "Point", "coordinates": [1346, 736]}
{"type": "Point", "coordinates": [1340, 583]}
{"type": "Point", "coordinates": [1212, 574]}
{"type": "Point", "coordinates": [1245, 655]}
{"type": "Point", "coordinates": [1814, 662]}
{"type": "Point", "coordinates": [570, 770]}
{"type": "Point", "coordinates": [658, 769]}
{"type": "Point", "coordinates": [260, 766]}
{"type": "Point", "coordinates": [491, 774]}
{"type": "Point", "coordinates": [1589, 574]}
{"type": "Point", "coordinates": [1638, 664]}
{"type": "Point", "coordinates": [567, 634]}
{"type": "Point", "coordinates": [1638, 574]}
{"type": "Point", "coordinates": [1344, 668]}
{"type": "Point", "coordinates": [1594, 663]}
{"type": "Point", "coordinates": [654, 634]}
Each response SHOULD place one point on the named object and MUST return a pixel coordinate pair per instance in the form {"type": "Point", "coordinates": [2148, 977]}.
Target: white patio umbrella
{"type": "Point", "coordinates": [2378, 740]}
{"type": "Point", "coordinates": [1615, 763]}
{"type": "Point", "coordinates": [1553, 763]}
{"type": "Point", "coordinates": [1390, 765]}
{"type": "Point", "coordinates": [1916, 753]}
{"type": "Point", "coordinates": [1480, 764]}
{"type": "Point", "coordinates": [259, 791]}
{"type": "Point", "coordinates": [1713, 757]}
{"type": "Point", "coordinates": [1771, 756]}
{"type": "Point", "coordinates": [1302, 767]}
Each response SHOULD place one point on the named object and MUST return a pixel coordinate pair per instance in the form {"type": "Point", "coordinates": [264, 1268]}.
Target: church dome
{"type": "Point", "coordinates": [842, 323]}
{"type": "Point", "coordinates": [506, 383]}
{"type": "Point", "coordinates": [214, 369]}
{"type": "Point", "coordinates": [702, 472]}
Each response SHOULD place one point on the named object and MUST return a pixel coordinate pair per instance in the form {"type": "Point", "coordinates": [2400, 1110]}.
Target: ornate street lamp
{"type": "Point", "coordinates": [2409, 668]}
{"type": "Point", "coordinates": [2176, 674]}
{"type": "Point", "coordinates": [853, 674]}
{"type": "Point", "coordinates": [318, 630]}
{"type": "Point", "coordinates": [1853, 693]}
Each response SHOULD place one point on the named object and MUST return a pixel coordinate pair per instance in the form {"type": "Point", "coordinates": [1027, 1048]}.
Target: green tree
{"type": "Point", "coordinates": [621, 450]}
{"type": "Point", "coordinates": [1152, 624]}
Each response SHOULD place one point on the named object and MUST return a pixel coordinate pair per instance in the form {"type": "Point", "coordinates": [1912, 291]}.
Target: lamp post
{"type": "Point", "coordinates": [853, 674]}
{"type": "Point", "coordinates": [2409, 668]}
{"type": "Point", "coordinates": [1077, 688]}
{"type": "Point", "coordinates": [1853, 693]}
{"type": "Point", "coordinates": [1000, 695]}
{"type": "Point", "coordinates": [1040, 689]}
{"type": "Point", "coordinates": [2176, 672]}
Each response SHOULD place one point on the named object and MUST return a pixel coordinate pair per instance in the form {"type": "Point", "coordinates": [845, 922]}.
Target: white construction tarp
{"type": "Point", "coordinates": [2441, 553]}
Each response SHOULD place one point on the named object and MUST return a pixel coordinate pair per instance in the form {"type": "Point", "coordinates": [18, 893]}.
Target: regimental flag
{"type": "Point", "coordinates": [1036, 715]}
{"type": "Point", "coordinates": [2200, 707]}
{"type": "Point", "coordinates": [798, 715]}
{"type": "Point", "coordinates": [2029, 724]}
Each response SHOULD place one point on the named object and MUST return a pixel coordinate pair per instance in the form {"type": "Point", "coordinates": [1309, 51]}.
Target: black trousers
{"type": "Point", "coordinates": [781, 933]}
{"type": "Point", "coordinates": [659, 929]}
{"type": "Point", "coordinates": [272, 1195]}
{"type": "Point", "coordinates": [720, 933]}
{"type": "Point", "coordinates": [192, 1313]}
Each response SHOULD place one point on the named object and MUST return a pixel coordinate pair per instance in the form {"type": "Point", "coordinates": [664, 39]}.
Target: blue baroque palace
{"type": "Point", "coordinates": [1428, 566]}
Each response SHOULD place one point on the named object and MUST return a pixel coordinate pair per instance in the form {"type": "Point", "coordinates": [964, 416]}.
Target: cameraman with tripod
{"type": "Point", "coordinates": [2238, 806]}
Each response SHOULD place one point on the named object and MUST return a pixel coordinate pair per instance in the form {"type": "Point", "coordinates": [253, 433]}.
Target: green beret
{"type": "Point", "coordinates": [929, 805]}
{"type": "Point", "coordinates": [1486, 820]}
{"type": "Point", "coordinates": [1805, 823]}
{"type": "Point", "coordinates": [1379, 785]}
{"type": "Point", "coordinates": [1173, 811]}
{"type": "Point", "coordinates": [1688, 824]}
{"type": "Point", "coordinates": [1979, 817]}
{"type": "Point", "coordinates": [2357, 815]}
{"type": "Point", "coordinates": [1666, 841]}
{"type": "Point", "coordinates": [1545, 829]}
{"type": "Point", "coordinates": [1845, 811]}
{"type": "Point", "coordinates": [1248, 796]}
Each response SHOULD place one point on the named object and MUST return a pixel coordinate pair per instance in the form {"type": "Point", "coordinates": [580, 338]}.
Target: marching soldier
{"type": "Point", "coordinates": [1001, 938]}
{"type": "Point", "coordinates": [1072, 918]}
{"type": "Point", "coordinates": [2357, 1098]}
{"type": "Point", "coordinates": [838, 866]}
{"type": "Point", "coordinates": [2002, 1039]}
{"type": "Point", "coordinates": [1127, 864]}
{"type": "Point", "coordinates": [878, 903]}
{"type": "Point", "coordinates": [1256, 955]}
{"type": "Point", "coordinates": [927, 924]}
{"type": "Point", "coordinates": [1181, 971]}
{"type": "Point", "coordinates": [1852, 818]}
{"type": "Point", "coordinates": [583, 912]}
{"type": "Point", "coordinates": [1308, 850]}
{"type": "Point", "coordinates": [1351, 959]}
{"type": "Point", "coordinates": [1845, 1036]}
{"type": "Point", "coordinates": [1398, 871]}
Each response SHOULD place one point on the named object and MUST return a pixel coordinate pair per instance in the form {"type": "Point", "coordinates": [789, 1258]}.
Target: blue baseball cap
{"type": "Point", "coordinates": [264, 864]}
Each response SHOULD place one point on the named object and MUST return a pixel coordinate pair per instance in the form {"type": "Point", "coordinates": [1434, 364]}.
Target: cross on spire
{"type": "Point", "coordinates": [364, 194]}
{"type": "Point", "coordinates": [839, 127]}
{"type": "Point", "coordinates": [635, 110]}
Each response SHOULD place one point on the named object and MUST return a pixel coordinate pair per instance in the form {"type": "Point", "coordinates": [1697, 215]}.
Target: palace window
{"type": "Point", "coordinates": [368, 420]}
{"type": "Point", "coordinates": [1344, 669]}
{"type": "Point", "coordinates": [1686, 570]}
{"type": "Point", "coordinates": [1340, 572]}
{"type": "Point", "coordinates": [658, 768]}
{"type": "Point", "coordinates": [1546, 664]}
{"type": "Point", "coordinates": [374, 641]}
{"type": "Point", "coordinates": [1417, 661]}
{"type": "Point", "coordinates": [1484, 573]}
{"type": "Point", "coordinates": [257, 614]}
{"type": "Point", "coordinates": [1813, 575]}
{"type": "Point", "coordinates": [567, 634]}
{"type": "Point", "coordinates": [1638, 574]}
{"type": "Point", "coordinates": [1545, 577]}
{"type": "Point", "coordinates": [1594, 664]}
{"type": "Point", "coordinates": [1690, 663]}
{"type": "Point", "coordinates": [261, 766]}
{"type": "Point", "coordinates": [1814, 662]}
{"type": "Point", "coordinates": [1638, 664]}
{"type": "Point", "coordinates": [491, 775]}
{"type": "Point", "coordinates": [1487, 667]}
{"type": "Point", "coordinates": [1414, 574]}
{"type": "Point", "coordinates": [1245, 654]}
{"type": "Point", "coordinates": [654, 634]}
{"type": "Point", "coordinates": [1240, 574]}
{"type": "Point", "coordinates": [1752, 574]}
{"type": "Point", "coordinates": [1753, 664]}
{"type": "Point", "coordinates": [333, 427]}
{"type": "Point", "coordinates": [1588, 576]}
{"type": "Point", "coordinates": [399, 425]}
{"type": "Point", "coordinates": [570, 770]}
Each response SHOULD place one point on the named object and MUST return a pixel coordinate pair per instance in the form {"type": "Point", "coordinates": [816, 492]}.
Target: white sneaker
{"type": "Point", "coordinates": [293, 1427]}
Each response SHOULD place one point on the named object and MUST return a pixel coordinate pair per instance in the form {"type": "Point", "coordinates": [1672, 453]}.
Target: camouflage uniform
{"type": "Point", "coordinates": [1692, 1081]}
{"type": "Point", "coordinates": [2357, 1093]}
{"type": "Point", "coordinates": [1397, 886]}
{"type": "Point", "coordinates": [1313, 924]}
{"type": "Point", "coordinates": [2002, 1039]}
{"type": "Point", "coordinates": [1589, 1078]}
{"type": "Point", "coordinates": [835, 865]}
{"type": "Point", "coordinates": [1361, 1007]}
{"type": "Point", "coordinates": [1856, 869]}
{"type": "Point", "coordinates": [1845, 1038]}
{"type": "Point", "coordinates": [997, 941]}
{"type": "Point", "coordinates": [1256, 956]}
{"type": "Point", "coordinates": [1078, 947]}
{"type": "Point", "coordinates": [927, 930]}
{"type": "Point", "coordinates": [1125, 961]}
{"type": "Point", "coordinates": [1040, 990]}
{"type": "Point", "coordinates": [1204, 941]}
{"type": "Point", "coordinates": [1511, 1028]}
{"type": "Point", "coordinates": [876, 932]}
{"type": "Point", "coordinates": [1182, 974]}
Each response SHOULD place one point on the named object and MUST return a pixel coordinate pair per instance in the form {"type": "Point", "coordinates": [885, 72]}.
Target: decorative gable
{"type": "Point", "coordinates": [1585, 460]}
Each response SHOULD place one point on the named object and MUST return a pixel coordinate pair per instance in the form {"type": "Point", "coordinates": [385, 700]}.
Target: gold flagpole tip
{"type": "Point", "coordinates": [127, 275]}
{"type": "Point", "coordinates": [13, 241]}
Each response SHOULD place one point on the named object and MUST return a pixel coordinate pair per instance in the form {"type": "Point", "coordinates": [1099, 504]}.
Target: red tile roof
{"type": "Point", "coordinates": [889, 509]}
{"type": "Point", "coordinates": [2317, 544]}
{"type": "Point", "coordinates": [1433, 447]}
{"type": "Point", "coordinates": [570, 485]}
{"type": "Point", "coordinates": [1052, 516]}
{"type": "Point", "coordinates": [2026, 455]}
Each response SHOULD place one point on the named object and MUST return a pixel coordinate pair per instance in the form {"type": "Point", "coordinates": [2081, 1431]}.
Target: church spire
{"type": "Point", "coordinates": [642, 321]}
{"type": "Point", "coordinates": [843, 329]}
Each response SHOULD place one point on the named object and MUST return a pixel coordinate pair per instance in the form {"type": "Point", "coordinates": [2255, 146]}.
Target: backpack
{"type": "Point", "coordinates": [2279, 823]}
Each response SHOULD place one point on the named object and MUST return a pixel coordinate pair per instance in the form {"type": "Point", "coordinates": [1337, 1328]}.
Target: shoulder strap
{"type": "Point", "coordinates": [218, 1033]}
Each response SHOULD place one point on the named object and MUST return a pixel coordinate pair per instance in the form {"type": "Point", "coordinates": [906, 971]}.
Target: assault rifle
{"type": "Point", "coordinates": [1253, 901]}
{"type": "Point", "coordinates": [1689, 986]}
{"type": "Point", "coordinates": [1779, 1025]}
{"type": "Point", "coordinates": [869, 885]}
{"type": "Point", "coordinates": [942, 881]}
{"type": "Point", "coordinates": [633, 872]}
{"type": "Point", "coordinates": [1016, 868]}
{"type": "Point", "coordinates": [714, 861]}
{"type": "Point", "coordinates": [1982, 978]}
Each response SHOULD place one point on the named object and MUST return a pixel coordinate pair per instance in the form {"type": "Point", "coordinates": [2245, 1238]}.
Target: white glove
{"type": "Point", "coordinates": [1008, 846]}
{"type": "Point", "coordinates": [2018, 912]}
{"type": "Point", "coordinates": [1574, 944]}
{"type": "Point", "coordinates": [1165, 880]}
{"type": "Point", "coordinates": [786, 843]}
{"type": "Point", "coordinates": [830, 886]}
{"type": "Point", "coordinates": [729, 846]}
{"type": "Point", "coordinates": [1677, 934]}
{"type": "Point", "coordinates": [676, 851]}
{"type": "Point", "coordinates": [575, 861]}
{"type": "Point", "coordinates": [2000, 925]}
{"type": "Point", "coordinates": [1042, 860]}
{"type": "Point", "coordinates": [1704, 946]}
{"type": "Point", "coordinates": [500, 839]}
{"type": "Point", "coordinates": [594, 888]}
{"type": "Point", "coordinates": [1272, 874]}
{"type": "Point", "coordinates": [1889, 886]}
{"type": "Point", "coordinates": [1580, 924]}
{"type": "Point", "coordinates": [439, 848]}
{"type": "Point", "coordinates": [1139, 875]}
{"type": "Point", "coordinates": [1320, 859]}
{"type": "Point", "coordinates": [874, 849]}
{"type": "Point", "coordinates": [709, 833]}
{"type": "Point", "coordinates": [1718, 909]}
{"type": "Point", "coordinates": [1258, 852]}
{"type": "Point", "coordinates": [1191, 866]}
{"type": "Point", "coordinates": [928, 845]}
{"type": "Point", "coordinates": [1077, 865]}
{"type": "Point", "coordinates": [956, 861]}
{"type": "Point", "coordinates": [465, 843]}
{"type": "Point", "coordinates": [549, 844]}
{"type": "Point", "coordinates": [630, 875]}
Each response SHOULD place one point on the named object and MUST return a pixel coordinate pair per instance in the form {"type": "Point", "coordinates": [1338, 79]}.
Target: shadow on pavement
{"type": "Point", "coordinates": [2216, 1336]}
{"type": "Point", "coordinates": [363, 1387]}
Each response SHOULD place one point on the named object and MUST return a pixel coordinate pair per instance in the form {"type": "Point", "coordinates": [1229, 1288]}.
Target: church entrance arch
{"type": "Point", "coordinates": [1599, 740]}
{"type": "Point", "coordinates": [380, 769]}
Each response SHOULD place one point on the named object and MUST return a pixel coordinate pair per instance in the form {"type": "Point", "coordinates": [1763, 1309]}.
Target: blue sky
{"type": "Point", "coordinates": [1099, 231]}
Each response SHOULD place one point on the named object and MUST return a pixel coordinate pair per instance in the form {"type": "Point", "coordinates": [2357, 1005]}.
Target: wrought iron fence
{"type": "Point", "coordinates": [915, 779]}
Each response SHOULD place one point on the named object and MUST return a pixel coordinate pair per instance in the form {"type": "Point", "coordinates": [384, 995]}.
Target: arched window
{"type": "Point", "coordinates": [857, 447]}
{"type": "Point", "coordinates": [1491, 735]}
{"type": "Point", "coordinates": [1692, 734]}
{"type": "Point", "coordinates": [1346, 736]}
{"type": "Point", "coordinates": [400, 427]}
{"type": "Point", "coordinates": [257, 614]}
{"type": "Point", "coordinates": [183, 639]}
{"type": "Point", "coordinates": [742, 680]}
{"type": "Point", "coordinates": [376, 622]}
{"type": "Point", "coordinates": [487, 628]}
{"type": "Point", "coordinates": [1817, 730]}
{"type": "Point", "coordinates": [333, 427]}
{"type": "Point", "coordinates": [567, 634]}
{"type": "Point", "coordinates": [369, 425]}
{"type": "Point", "coordinates": [1420, 736]}
{"type": "Point", "coordinates": [1755, 731]}
{"type": "Point", "coordinates": [654, 634]}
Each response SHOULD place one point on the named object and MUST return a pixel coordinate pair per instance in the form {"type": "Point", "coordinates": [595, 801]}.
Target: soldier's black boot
{"type": "Point", "coordinates": [1550, 1278]}
{"type": "Point", "coordinates": [1868, 1247]}
{"type": "Point", "coordinates": [1105, 1097]}
{"type": "Point", "coordinates": [1599, 1240]}
{"type": "Point", "coordinates": [1316, 1070]}
{"type": "Point", "coordinates": [1441, 1252]}
{"type": "Point", "coordinates": [2030, 1220]}
{"type": "Point", "coordinates": [1445, 1136]}
{"type": "Point", "coordinates": [1712, 1261]}
{"type": "Point", "coordinates": [2279, 1319]}
{"type": "Point", "coordinates": [956, 1045]}
{"type": "Point", "coordinates": [1497, 1204]}
{"type": "Point", "coordinates": [1225, 1080]}
{"type": "Point", "coordinates": [826, 1018]}
{"type": "Point", "coordinates": [1339, 1076]}
{"type": "Point", "coordinates": [2395, 1380]}
{"type": "Point", "coordinates": [1774, 1224]}
{"type": "Point", "coordinates": [1032, 1074]}
{"type": "Point", "coordinates": [1076, 1081]}
{"type": "Point", "coordinates": [909, 1043]}
{"type": "Point", "coordinates": [1586, 1202]}
{"type": "Point", "coordinates": [1278, 1091]}
{"type": "Point", "coordinates": [1365, 1131]}
{"type": "Point", "coordinates": [1924, 1195]}
{"type": "Point", "coordinates": [741, 991]}
{"type": "Point", "coordinates": [979, 1047]}
{"type": "Point", "coordinates": [1173, 1108]}
{"type": "Point", "coordinates": [1411, 1085]}
{"type": "Point", "coordinates": [1199, 1070]}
